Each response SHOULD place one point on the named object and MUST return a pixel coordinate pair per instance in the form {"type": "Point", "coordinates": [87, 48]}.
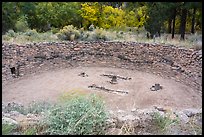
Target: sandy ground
{"type": "Point", "coordinates": [50, 85]}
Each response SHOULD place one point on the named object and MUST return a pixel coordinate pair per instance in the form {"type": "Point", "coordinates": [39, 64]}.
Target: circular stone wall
{"type": "Point", "coordinates": [44, 70]}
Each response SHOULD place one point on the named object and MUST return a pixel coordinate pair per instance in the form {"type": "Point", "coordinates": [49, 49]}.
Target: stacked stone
{"type": "Point", "coordinates": [184, 65]}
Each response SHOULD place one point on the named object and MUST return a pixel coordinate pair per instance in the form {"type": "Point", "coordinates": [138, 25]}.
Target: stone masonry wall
{"type": "Point", "coordinates": [183, 65]}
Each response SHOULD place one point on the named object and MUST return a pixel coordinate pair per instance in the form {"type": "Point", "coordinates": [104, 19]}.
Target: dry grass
{"type": "Point", "coordinates": [191, 41]}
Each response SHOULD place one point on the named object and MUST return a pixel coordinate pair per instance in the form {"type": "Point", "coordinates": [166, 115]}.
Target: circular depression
{"type": "Point", "coordinates": [49, 86]}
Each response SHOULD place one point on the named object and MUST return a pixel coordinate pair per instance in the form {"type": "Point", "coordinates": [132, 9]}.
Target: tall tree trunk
{"type": "Point", "coordinates": [183, 23]}
{"type": "Point", "coordinates": [173, 25]}
{"type": "Point", "coordinates": [193, 21]}
{"type": "Point", "coordinates": [169, 24]}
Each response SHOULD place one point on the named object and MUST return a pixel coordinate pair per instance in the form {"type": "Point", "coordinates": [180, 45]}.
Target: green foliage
{"type": "Point", "coordinates": [11, 33]}
{"type": "Point", "coordinates": [34, 107]}
{"type": "Point", "coordinates": [97, 34]}
{"type": "Point", "coordinates": [21, 25]}
{"type": "Point", "coordinates": [163, 122]}
{"type": "Point", "coordinates": [31, 33]}
{"type": "Point", "coordinates": [78, 116]}
{"type": "Point", "coordinates": [10, 14]}
{"type": "Point", "coordinates": [7, 129]}
{"type": "Point", "coordinates": [30, 131]}
{"type": "Point", "coordinates": [68, 33]}
{"type": "Point", "coordinates": [54, 30]}
{"type": "Point", "coordinates": [154, 22]}
{"type": "Point", "coordinates": [38, 107]}
{"type": "Point", "coordinates": [44, 16]}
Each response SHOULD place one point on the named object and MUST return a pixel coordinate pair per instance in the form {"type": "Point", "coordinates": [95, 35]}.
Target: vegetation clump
{"type": "Point", "coordinates": [81, 115]}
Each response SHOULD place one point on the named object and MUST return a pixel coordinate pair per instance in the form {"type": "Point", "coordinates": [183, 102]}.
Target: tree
{"type": "Point", "coordinates": [194, 6]}
{"type": "Point", "coordinates": [10, 15]}
{"type": "Point", "coordinates": [157, 14]}
{"type": "Point", "coordinates": [183, 22]}
{"type": "Point", "coordinates": [173, 24]}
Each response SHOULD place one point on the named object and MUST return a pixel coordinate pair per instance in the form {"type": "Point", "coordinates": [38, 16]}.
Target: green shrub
{"type": "Point", "coordinates": [78, 116]}
{"type": "Point", "coordinates": [38, 107]}
{"type": "Point", "coordinates": [30, 131]}
{"type": "Point", "coordinates": [54, 30]}
{"type": "Point", "coordinates": [68, 33]}
{"type": "Point", "coordinates": [11, 33]}
{"type": "Point", "coordinates": [100, 34]}
{"type": "Point", "coordinates": [21, 25]}
{"type": "Point", "coordinates": [163, 122]}
{"type": "Point", "coordinates": [6, 37]}
{"type": "Point", "coordinates": [31, 33]}
{"type": "Point", "coordinates": [7, 129]}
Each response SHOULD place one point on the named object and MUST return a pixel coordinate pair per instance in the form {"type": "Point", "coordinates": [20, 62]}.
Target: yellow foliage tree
{"type": "Point", "coordinates": [112, 17]}
{"type": "Point", "coordinates": [90, 13]}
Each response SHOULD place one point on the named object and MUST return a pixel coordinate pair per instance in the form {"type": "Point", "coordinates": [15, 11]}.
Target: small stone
{"type": "Point", "coordinates": [6, 120]}
{"type": "Point", "coordinates": [133, 110]}
{"type": "Point", "coordinates": [76, 49]}
{"type": "Point", "coordinates": [114, 131]}
{"type": "Point", "coordinates": [183, 117]}
{"type": "Point", "coordinates": [192, 112]}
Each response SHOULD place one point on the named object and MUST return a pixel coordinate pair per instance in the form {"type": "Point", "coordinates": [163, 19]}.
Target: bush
{"type": "Point", "coordinates": [78, 116]}
{"type": "Point", "coordinates": [68, 33]}
{"type": "Point", "coordinates": [21, 25]}
{"type": "Point", "coordinates": [54, 30]}
{"type": "Point", "coordinates": [11, 33]}
{"type": "Point", "coordinates": [31, 33]}
{"type": "Point", "coordinates": [163, 122]}
{"type": "Point", "coordinates": [7, 129]}
{"type": "Point", "coordinates": [100, 34]}
{"type": "Point", "coordinates": [38, 107]}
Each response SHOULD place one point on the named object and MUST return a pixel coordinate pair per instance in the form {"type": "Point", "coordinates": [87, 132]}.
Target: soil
{"type": "Point", "coordinates": [49, 86]}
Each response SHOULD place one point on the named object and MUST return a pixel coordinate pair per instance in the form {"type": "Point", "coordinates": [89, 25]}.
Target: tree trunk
{"type": "Point", "coordinates": [173, 25]}
{"type": "Point", "coordinates": [193, 21]}
{"type": "Point", "coordinates": [183, 23]}
{"type": "Point", "coordinates": [169, 25]}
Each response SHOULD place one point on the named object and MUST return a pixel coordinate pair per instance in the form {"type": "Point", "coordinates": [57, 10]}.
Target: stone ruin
{"type": "Point", "coordinates": [168, 61]}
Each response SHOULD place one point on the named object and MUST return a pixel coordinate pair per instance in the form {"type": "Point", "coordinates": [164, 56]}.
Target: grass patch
{"type": "Point", "coordinates": [34, 108]}
{"type": "Point", "coordinates": [99, 34]}
{"type": "Point", "coordinates": [7, 129]}
{"type": "Point", "coordinates": [163, 122]}
{"type": "Point", "coordinates": [81, 115]}
{"type": "Point", "coordinates": [30, 131]}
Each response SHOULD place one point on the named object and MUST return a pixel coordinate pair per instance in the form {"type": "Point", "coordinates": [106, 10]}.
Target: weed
{"type": "Point", "coordinates": [80, 115]}
{"type": "Point", "coordinates": [30, 131]}
{"type": "Point", "coordinates": [38, 107]}
{"type": "Point", "coordinates": [163, 122]}
{"type": "Point", "coordinates": [67, 33]}
{"type": "Point", "coordinates": [128, 128]}
{"type": "Point", "coordinates": [7, 129]}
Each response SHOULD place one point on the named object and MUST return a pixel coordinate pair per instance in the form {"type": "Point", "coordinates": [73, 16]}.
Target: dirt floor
{"type": "Point", "coordinates": [51, 85]}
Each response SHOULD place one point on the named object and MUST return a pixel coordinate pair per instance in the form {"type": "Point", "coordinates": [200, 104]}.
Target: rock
{"type": "Point", "coordinates": [6, 120]}
{"type": "Point", "coordinates": [76, 49]}
{"type": "Point", "coordinates": [121, 120]}
{"type": "Point", "coordinates": [133, 110]}
{"type": "Point", "coordinates": [191, 112]}
{"type": "Point", "coordinates": [182, 117]}
{"type": "Point", "coordinates": [15, 113]}
{"type": "Point", "coordinates": [114, 131]}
